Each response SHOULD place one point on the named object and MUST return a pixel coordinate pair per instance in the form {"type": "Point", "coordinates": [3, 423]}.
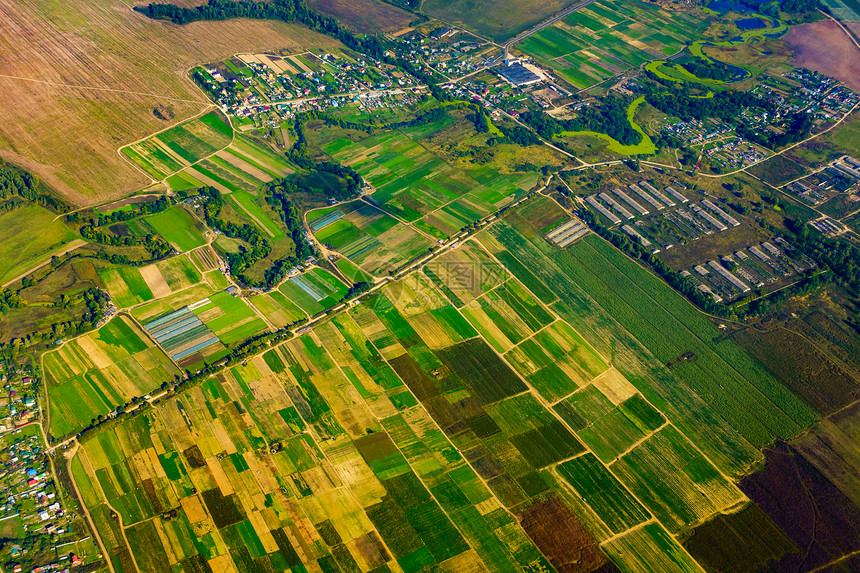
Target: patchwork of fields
{"type": "Point", "coordinates": [417, 186]}
{"type": "Point", "coordinates": [507, 407]}
{"type": "Point", "coordinates": [368, 236]}
{"type": "Point", "coordinates": [205, 151]}
{"type": "Point", "coordinates": [314, 291]}
{"type": "Point", "coordinates": [129, 286]}
{"type": "Point", "coordinates": [609, 36]}
{"type": "Point", "coordinates": [93, 374]}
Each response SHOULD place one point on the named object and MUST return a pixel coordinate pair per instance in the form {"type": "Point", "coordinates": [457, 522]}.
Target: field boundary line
{"type": "Point", "coordinates": [94, 88]}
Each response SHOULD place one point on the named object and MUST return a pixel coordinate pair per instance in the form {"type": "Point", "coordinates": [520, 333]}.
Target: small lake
{"type": "Point", "coordinates": [750, 24]}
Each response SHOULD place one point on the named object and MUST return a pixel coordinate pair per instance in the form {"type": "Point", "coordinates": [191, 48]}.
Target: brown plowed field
{"type": "Point", "coordinates": [368, 16]}
{"type": "Point", "coordinates": [69, 136]}
{"type": "Point", "coordinates": [822, 46]}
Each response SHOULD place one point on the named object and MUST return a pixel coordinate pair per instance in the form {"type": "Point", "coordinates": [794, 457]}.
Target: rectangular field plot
{"type": "Point", "coordinates": [674, 481]}
{"type": "Point", "coordinates": [609, 36]}
{"type": "Point", "coordinates": [314, 291]}
{"type": "Point", "coordinates": [129, 286]}
{"type": "Point", "coordinates": [93, 374]}
{"type": "Point", "coordinates": [650, 548]}
{"type": "Point", "coordinates": [126, 286]}
{"type": "Point", "coordinates": [413, 183]}
{"type": "Point", "coordinates": [178, 147]}
{"type": "Point", "coordinates": [276, 307]}
{"type": "Point", "coordinates": [229, 318]}
{"type": "Point", "coordinates": [556, 361]}
{"type": "Point", "coordinates": [178, 227]}
{"type": "Point", "coordinates": [367, 236]}
{"type": "Point", "coordinates": [609, 415]}
{"type": "Point", "coordinates": [604, 494]}
{"type": "Point", "coordinates": [181, 333]}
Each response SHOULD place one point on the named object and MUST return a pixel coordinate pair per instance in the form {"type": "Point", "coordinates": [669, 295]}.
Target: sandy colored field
{"type": "Point", "coordinates": [155, 281]}
{"type": "Point", "coordinates": [69, 135]}
{"type": "Point", "coordinates": [614, 386]}
{"type": "Point", "coordinates": [246, 167]}
{"type": "Point", "coordinates": [823, 47]}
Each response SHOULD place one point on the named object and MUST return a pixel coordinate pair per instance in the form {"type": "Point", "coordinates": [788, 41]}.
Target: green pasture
{"type": "Point", "coordinates": [20, 248]}
{"type": "Point", "coordinates": [178, 227]}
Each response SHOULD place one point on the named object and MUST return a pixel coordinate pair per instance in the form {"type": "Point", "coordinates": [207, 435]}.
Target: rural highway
{"type": "Point", "coordinates": [544, 24]}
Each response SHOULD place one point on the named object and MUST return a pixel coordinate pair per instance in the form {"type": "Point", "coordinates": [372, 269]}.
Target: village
{"type": "Point", "coordinates": [39, 532]}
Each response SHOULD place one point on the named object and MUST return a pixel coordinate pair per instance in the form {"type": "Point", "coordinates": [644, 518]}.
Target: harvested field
{"type": "Point", "coordinates": [559, 535]}
{"type": "Point", "coordinates": [367, 16]}
{"type": "Point", "coordinates": [811, 510]}
{"type": "Point", "coordinates": [822, 46]}
{"type": "Point", "coordinates": [72, 81]}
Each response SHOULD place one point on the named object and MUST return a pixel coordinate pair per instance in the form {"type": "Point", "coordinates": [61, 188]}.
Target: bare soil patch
{"type": "Point", "coordinates": [824, 47]}
{"type": "Point", "coordinates": [369, 16]}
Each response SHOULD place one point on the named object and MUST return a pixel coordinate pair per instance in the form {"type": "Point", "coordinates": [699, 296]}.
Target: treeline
{"type": "Point", "coordinates": [95, 301]}
{"type": "Point", "coordinates": [284, 10]}
{"type": "Point", "coordinates": [97, 219]}
{"type": "Point", "coordinates": [258, 247]}
{"type": "Point", "coordinates": [709, 70]}
{"type": "Point", "coordinates": [678, 101]}
{"type": "Point", "coordinates": [797, 130]}
{"type": "Point", "coordinates": [276, 194]}
{"type": "Point", "coordinates": [15, 182]}
{"type": "Point", "coordinates": [154, 245]}
{"type": "Point", "coordinates": [610, 117]}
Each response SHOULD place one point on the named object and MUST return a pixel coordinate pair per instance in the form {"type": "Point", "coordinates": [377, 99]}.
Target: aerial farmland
{"type": "Point", "coordinates": [415, 287]}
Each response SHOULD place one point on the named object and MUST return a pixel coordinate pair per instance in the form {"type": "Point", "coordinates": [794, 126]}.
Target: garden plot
{"type": "Point", "coordinates": [93, 374]}
{"type": "Point", "coordinates": [173, 150]}
{"type": "Point", "coordinates": [181, 333]}
{"type": "Point", "coordinates": [367, 236]}
{"type": "Point", "coordinates": [608, 37]}
{"type": "Point", "coordinates": [178, 227]}
{"type": "Point", "coordinates": [314, 291]}
{"type": "Point", "coordinates": [129, 286]}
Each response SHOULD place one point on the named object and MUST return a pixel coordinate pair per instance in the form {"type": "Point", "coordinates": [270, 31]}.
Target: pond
{"type": "Point", "coordinates": [750, 24]}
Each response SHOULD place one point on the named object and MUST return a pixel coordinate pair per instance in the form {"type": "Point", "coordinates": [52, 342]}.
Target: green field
{"type": "Point", "coordinates": [178, 227]}
{"type": "Point", "coordinates": [91, 375]}
{"type": "Point", "coordinates": [170, 151]}
{"type": "Point", "coordinates": [314, 291]}
{"type": "Point", "coordinates": [276, 307]}
{"type": "Point", "coordinates": [21, 248]}
{"type": "Point", "coordinates": [229, 318]}
{"type": "Point", "coordinates": [414, 184]}
{"type": "Point", "coordinates": [613, 299]}
{"type": "Point", "coordinates": [126, 286]}
{"type": "Point", "coordinates": [609, 36]}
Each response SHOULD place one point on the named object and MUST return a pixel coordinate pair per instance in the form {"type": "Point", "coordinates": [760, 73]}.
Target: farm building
{"type": "Point", "coordinates": [518, 75]}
